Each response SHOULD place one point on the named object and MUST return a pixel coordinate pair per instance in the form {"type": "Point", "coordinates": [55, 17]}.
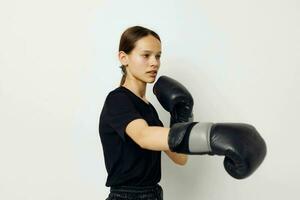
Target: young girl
{"type": "Point", "coordinates": [131, 132]}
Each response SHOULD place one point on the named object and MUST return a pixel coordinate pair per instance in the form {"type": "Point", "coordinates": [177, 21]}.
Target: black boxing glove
{"type": "Point", "coordinates": [174, 98]}
{"type": "Point", "coordinates": [243, 147]}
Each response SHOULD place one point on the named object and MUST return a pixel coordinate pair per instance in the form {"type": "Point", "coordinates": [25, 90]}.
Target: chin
{"type": "Point", "coordinates": [152, 80]}
{"type": "Point", "coordinates": [148, 79]}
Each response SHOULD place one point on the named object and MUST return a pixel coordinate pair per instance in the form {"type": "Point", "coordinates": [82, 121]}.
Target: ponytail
{"type": "Point", "coordinates": [124, 75]}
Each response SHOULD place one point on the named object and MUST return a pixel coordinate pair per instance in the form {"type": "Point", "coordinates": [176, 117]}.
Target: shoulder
{"type": "Point", "coordinates": [118, 100]}
{"type": "Point", "coordinates": [117, 94]}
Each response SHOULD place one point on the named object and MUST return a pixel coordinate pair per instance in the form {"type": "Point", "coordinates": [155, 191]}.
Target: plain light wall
{"type": "Point", "coordinates": [58, 61]}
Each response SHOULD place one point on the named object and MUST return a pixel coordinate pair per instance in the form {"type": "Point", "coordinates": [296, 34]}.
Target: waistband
{"type": "Point", "coordinates": [135, 189]}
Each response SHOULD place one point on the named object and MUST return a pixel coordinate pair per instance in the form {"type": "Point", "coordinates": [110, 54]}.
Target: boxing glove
{"type": "Point", "coordinates": [243, 147]}
{"type": "Point", "coordinates": [174, 98]}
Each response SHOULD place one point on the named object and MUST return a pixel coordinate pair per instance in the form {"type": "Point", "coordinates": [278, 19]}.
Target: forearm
{"type": "Point", "coordinates": [178, 158]}
{"type": "Point", "coordinates": [155, 138]}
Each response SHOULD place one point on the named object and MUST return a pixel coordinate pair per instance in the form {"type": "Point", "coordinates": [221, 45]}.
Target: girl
{"type": "Point", "coordinates": [131, 132]}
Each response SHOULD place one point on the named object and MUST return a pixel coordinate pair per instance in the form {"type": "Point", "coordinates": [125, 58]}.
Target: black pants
{"type": "Point", "coordinates": [136, 193]}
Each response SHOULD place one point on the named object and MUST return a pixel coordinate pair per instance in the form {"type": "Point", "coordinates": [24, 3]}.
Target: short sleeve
{"type": "Point", "coordinates": [120, 111]}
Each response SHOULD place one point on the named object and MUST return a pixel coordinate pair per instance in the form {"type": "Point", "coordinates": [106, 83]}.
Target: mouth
{"type": "Point", "coordinates": [152, 73]}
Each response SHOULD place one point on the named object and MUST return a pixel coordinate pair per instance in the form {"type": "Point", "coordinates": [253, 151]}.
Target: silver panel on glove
{"type": "Point", "coordinates": [199, 140]}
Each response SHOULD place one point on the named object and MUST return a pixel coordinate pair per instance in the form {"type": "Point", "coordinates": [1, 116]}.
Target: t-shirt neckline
{"type": "Point", "coordinates": [148, 104]}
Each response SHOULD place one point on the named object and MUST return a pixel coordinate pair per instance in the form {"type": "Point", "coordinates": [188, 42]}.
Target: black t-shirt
{"type": "Point", "coordinates": [126, 162]}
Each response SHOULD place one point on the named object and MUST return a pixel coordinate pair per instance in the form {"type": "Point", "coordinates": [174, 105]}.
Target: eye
{"type": "Point", "coordinates": [158, 56]}
{"type": "Point", "coordinates": [146, 55]}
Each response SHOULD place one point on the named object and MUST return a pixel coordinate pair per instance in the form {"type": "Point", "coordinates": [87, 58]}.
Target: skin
{"type": "Point", "coordinates": [142, 65]}
{"type": "Point", "coordinates": [143, 59]}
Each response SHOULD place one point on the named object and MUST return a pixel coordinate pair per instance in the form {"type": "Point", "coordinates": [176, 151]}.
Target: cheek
{"type": "Point", "coordinates": [139, 64]}
{"type": "Point", "coordinates": [139, 60]}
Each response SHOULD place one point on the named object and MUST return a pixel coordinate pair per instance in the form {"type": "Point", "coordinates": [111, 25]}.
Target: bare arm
{"type": "Point", "coordinates": [148, 137]}
{"type": "Point", "coordinates": [178, 158]}
{"type": "Point", "coordinates": [153, 138]}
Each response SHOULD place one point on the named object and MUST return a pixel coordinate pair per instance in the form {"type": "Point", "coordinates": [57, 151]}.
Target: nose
{"type": "Point", "coordinates": [154, 61]}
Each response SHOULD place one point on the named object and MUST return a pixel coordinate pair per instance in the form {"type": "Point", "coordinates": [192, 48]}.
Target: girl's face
{"type": "Point", "coordinates": [144, 60]}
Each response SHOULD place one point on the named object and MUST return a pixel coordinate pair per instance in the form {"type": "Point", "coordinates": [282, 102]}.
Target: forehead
{"type": "Point", "coordinates": [148, 43]}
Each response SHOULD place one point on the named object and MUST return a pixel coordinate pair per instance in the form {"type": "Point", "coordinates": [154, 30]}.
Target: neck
{"type": "Point", "coordinates": [137, 87]}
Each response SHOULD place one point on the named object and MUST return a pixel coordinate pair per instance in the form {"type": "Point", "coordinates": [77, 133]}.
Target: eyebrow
{"type": "Point", "coordinates": [148, 51]}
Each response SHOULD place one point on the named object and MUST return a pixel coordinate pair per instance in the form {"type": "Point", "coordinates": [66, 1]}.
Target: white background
{"type": "Point", "coordinates": [58, 61]}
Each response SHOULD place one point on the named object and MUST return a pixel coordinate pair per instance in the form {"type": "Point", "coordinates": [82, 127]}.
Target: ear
{"type": "Point", "coordinates": [123, 58]}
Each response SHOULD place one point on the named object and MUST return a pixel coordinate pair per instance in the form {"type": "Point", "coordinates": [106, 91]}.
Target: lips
{"type": "Point", "coordinates": [152, 73]}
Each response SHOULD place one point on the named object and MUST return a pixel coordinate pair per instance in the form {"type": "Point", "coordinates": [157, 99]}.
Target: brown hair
{"type": "Point", "coordinates": [128, 39]}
